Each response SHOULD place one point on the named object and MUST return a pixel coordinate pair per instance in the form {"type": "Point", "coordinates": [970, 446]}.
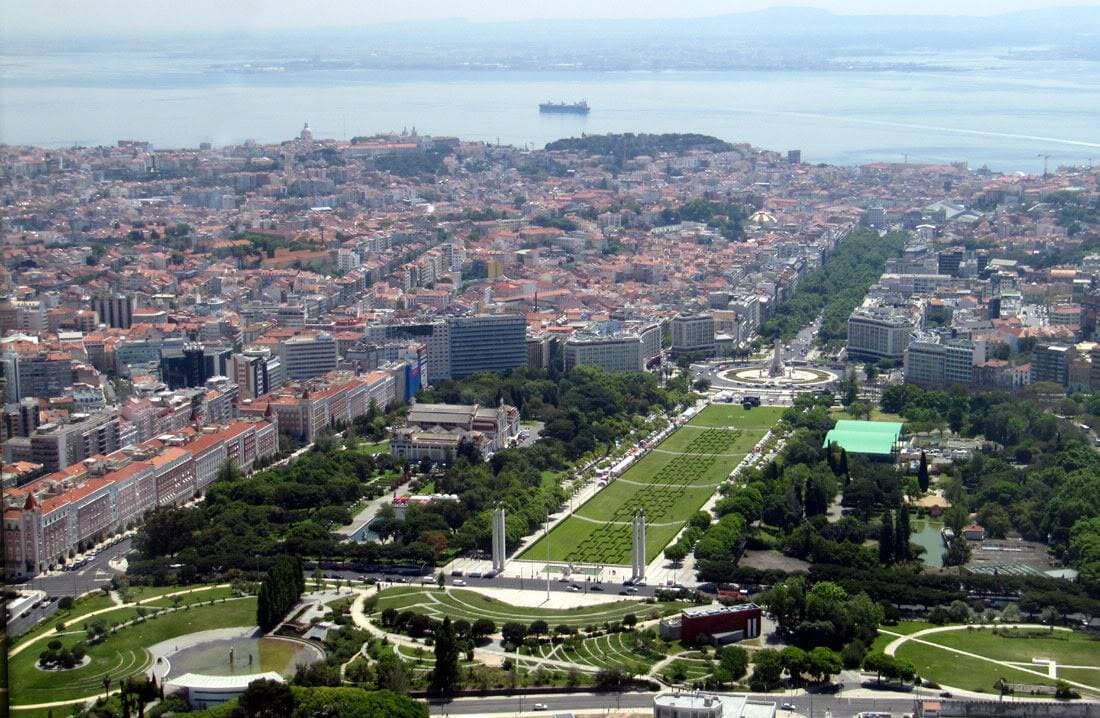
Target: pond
{"type": "Point", "coordinates": [249, 655]}
{"type": "Point", "coordinates": [926, 533]}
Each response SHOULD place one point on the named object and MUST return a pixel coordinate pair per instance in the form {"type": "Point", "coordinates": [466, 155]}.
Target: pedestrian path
{"type": "Point", "coordinates": [901, 639]}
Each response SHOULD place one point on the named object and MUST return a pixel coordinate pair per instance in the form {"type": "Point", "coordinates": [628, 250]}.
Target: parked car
{"type": "Point", "coordinates": [458, 582]}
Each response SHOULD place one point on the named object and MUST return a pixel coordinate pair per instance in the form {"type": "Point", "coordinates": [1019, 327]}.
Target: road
{"type": "Point", "coordinates": [838, 706]}
{"type": "Point", "coordinates": [95, 574]}
{"type": "Point", "coordinates": [497, 582]}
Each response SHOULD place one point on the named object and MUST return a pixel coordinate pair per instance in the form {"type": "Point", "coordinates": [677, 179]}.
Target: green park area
{"type": "Point", "coordinates": [1003, 653]}
{"type": "Point", "coordinates": [471, 606]}
{"type": "Point", "coordinates": [115, 641]}
{"type": "Point", "coordinates": [670, 484]}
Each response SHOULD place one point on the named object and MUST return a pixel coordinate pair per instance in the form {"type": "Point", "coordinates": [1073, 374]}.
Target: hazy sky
{"type": "Point", "coordinates": [100, 16]}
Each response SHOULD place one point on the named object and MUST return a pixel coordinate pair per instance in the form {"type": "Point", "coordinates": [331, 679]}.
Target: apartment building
{"type": "Point", "coordinates": [308, 356]}
{"type": "Point", "coordinates": [64, 512]}
{"type": "Point", "coordinates": [878, 333]}
{"type": "Point", "coordinates": [693, 334]}
{"type": "Point", "coordinates": [487, 342]}
{"type": "Point", "coordinates": [610, 353]}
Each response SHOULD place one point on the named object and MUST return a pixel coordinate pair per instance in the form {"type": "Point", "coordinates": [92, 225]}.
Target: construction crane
{"type": "Point", "coordinates": [1046, 159]}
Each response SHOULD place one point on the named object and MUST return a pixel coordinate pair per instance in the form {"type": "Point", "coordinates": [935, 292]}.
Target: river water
{"type": "Point", "coordinates": [982, 109]}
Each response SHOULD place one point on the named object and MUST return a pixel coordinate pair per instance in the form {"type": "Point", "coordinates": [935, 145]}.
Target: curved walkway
{"type": "Point", "coordinates": [47, 634]}
{"type": "Point", "coordinates": [901, 639]}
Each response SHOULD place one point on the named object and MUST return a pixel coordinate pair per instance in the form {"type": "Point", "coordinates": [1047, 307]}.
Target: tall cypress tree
{"type": "Point", "coordinates": [886, 539]}
{"type": "Point", "coordinates": [445, 674]}
{"type": "Point", "coordinates": [843, 467]}
{"type": "Point", "coordinates": [922, 472]}
{"type": "Point", "coordinates": [901, 534]}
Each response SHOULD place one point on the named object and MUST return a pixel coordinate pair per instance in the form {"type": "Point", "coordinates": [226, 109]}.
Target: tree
{"type": "Point", "coordinates": [440, 580]}
{"type": "Point", "coordinates": [676, 552]}
{"type": "Point", "coordinates": [348, 702]}
{"type": "Point", "coordinates": [767, 669]}
{"type": "Point", "coordinates": [824, 663]}
{"type": "Point", "coordinates": [733, 661]}
{"type": "Point", "coordinates": [392, 674]}
{"type": "Point", "coordinates": [513, 632]}
{"type": "Point", "coordinates": [957, 553]}
{"type": "Point", "coordinates": [538, 627]}
{"type": "Point", "coordinates": [482, 628]}
{"type": "Point", "coordinates": [795, 661]}
{"type": "Point", "coordinates": [886, 539]}
{"type": "Point", "coordinates": [787, 601]}
{"type": "Point", "coordinates": [267, 699]}
{"type": "Point", "coordinates": [922, 472]}
{"type": "Point", "coordinates": [842, 466]}
{"type": "Point", "coordinates": [445, 673]}
{"type": "Point", "coordinates": [901, 534]}
{"type": "Point", "coordinates": [1049, 615]}
{"type": "Point", "coordinates": [1010, 614]}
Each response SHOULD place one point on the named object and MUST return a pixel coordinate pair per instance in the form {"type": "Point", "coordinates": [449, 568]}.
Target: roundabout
{"type": "Point", "coordinates": [789, 378]}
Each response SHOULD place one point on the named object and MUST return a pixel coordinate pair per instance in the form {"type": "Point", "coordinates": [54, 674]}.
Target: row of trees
{"type": "Point", "coordinates": [280, 590]}
{"type": "Point", "coordinates": [836, 288]}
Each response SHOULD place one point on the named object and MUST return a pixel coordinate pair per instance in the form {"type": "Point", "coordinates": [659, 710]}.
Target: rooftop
{"type": "Point", "coordinates": [865, 437]}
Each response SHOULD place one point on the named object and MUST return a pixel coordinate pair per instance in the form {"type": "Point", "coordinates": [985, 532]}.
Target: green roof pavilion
{"type": "Point", "coordinates": [876, 438]}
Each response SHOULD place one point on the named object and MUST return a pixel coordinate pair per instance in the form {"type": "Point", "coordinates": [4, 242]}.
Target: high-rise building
{"type": "Point", "coordinates": [56, 446]}
{"type": "Point", "coordinates": [611, 353]}
{"type": "Point", "coordinates": [1050, 362]}
{"type": "Point", "coordinates": [44, 375]}
{"type": "Point", "coordinates": [192, 364]}
{"type": "Point", "coordinates": [114, 310]}
{"type": "Point", "coordinates": [878, 333]}
{"type": "Point", "coordinates": [436, 336]}
{"type": "Point", "coordinates": [487, 342]}
{"type": "Point", "coordinates": [949, 261]}
{"type": "Point", "coordinates": [693, 334]}
{"type": "Point", "coordinates": [307, 356]}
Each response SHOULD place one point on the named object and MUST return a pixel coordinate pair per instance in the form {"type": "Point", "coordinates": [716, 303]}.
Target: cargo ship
{"type": "Point", "coordinates": [568, 108]}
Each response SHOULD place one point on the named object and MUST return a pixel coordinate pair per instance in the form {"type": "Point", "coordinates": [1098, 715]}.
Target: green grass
{"type": "Point", "coordinates": [952, 669]}
{"type": "Point", "coordinates": [670, 483]}
{"type": "Point", "coordinates": [192, 598]}
{"type": "Point", "coordinates": [380, 447]}
{"type": "Point", "coordinates": [471, 605]}
{"type": "Point", "coordinates": [904, 628]}
{"type": "Point", "coordinates": [83, 606]}
{"type": "Point", "coordinates": [1071, 648]}
{"type": "Point", "coordinates": [614, 650]}
{"type": "Point", "coordinates": [1088, 676]}
{"type": "Point", "coordinates": [694, 669]}
{"type": "Point", "coordinates": [121, 655]}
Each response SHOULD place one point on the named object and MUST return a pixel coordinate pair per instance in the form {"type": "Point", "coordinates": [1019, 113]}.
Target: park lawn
{"type": "Point", "coordinates": [192, 597]}
{"type": "Point", "coordinates": [96, 601]}
{"type": "Point", "coordinates": [903, 628]}
{"type": "Point", "coordinates": [957, 671]}
{"type": "Point", "coordinates": [761, 417]}
{"type": "Point", "coordinates": [1069, 647]}
{"type": "Point", "coordinates": [613, 650]}
{"type": "Point", "coordinates": [121, 655]}
{"type": "Point", "coordinates": [1088, 676]}
{"type": "Point", "coordinates": [615, 537]}
{"type": "Point", "coordinates": [380, 447]}
{"type": "Point", "coordinates": [691, 669]}
{"type": "Point", "coordinates": [668, 486]}
{"type": "Point", "coordinates": [458, 603]}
